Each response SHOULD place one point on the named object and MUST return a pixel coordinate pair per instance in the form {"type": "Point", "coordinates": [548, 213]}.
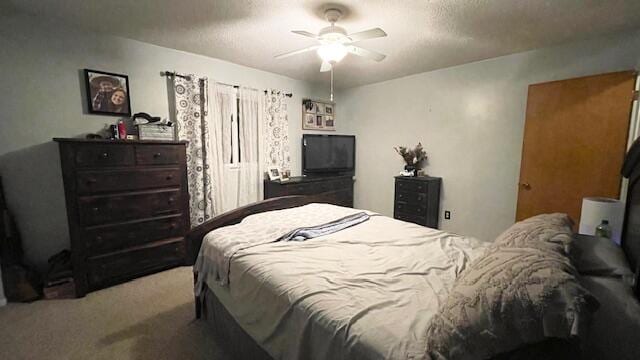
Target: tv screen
{"type": "Point", "coordinates": [328, 153]}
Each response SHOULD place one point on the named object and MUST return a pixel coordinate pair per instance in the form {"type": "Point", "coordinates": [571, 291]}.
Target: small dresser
{"type": "Point", "coordinates": [339, 188]}
{"type": "Point", "coordinates": [127, 208]}
{"type": "Point", "coordinates": [417, 200]}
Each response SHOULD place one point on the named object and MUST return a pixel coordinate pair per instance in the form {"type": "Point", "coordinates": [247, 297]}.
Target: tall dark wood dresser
{"type": "Point", "coordinates": [417, 200]}
{"type": "Point", "coordinates": [127, 208]}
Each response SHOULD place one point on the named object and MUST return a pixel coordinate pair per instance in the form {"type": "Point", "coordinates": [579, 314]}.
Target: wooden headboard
{"type": "Point", "coordinates": [195, 236]}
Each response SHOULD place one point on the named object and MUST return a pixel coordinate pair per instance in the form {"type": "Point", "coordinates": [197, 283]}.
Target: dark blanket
{"type": "Point", "coordinates": [306, 233]}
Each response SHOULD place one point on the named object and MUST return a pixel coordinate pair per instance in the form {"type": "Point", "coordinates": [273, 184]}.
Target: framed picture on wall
{"type": "Point", "coordinates": [318, 115]}
{"type": "Point", "coordinates": [309, 121]}
{"type": "Point", "coordinates": [107, 93]}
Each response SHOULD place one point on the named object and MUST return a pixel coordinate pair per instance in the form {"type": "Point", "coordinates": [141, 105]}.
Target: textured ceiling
{"type": "Point", "coordinates": [423, 35]}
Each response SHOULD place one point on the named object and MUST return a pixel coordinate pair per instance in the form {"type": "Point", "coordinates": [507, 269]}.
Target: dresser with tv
{"type": "Point", "coordinates": [337, 189]}
{"type": "Point", "coordinates": [328, 165]}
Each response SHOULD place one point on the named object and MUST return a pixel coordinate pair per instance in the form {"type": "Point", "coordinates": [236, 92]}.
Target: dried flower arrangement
{"type": "Point", "coordinates": [412, 157]}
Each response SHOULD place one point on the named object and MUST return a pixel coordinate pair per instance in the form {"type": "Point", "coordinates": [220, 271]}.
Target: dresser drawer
{"type": "Point", "coordinates": [96, 210]}
{"type": "Point", "coordinates": [122, 180]}
{"type": "Point", "coordinates": [419, 209]}
{"type": "Point", "coordinates": [104, 239]}
{"type": "Point", "coordinates": [411, 197]}
{"type": "Point", "coordinates": [103, 155]}
{"type": "Point", "coordinates": [411, 186]}
{"type": "Point", "coordinates": [158, 154]}
{"type": "Point", "coordinates": [110, 269]}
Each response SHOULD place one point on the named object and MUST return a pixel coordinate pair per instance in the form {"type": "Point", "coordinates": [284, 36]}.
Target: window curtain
{"type": "Point", "coordinates": [191, 119]}
{"type": "Point", "coordinates": [204, 161]}
{"type": "Point", "coordinates": [251, 167]}
{"type": "Point", "coordinates": [223, 112]}
{"type": "Point", "coordinates": [276, 123]}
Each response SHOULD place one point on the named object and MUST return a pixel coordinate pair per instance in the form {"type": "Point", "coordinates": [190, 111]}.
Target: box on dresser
{"type": "Point", "coordinates": [127, 208]}
{"type": "Point", "coordinates": [417, 200]}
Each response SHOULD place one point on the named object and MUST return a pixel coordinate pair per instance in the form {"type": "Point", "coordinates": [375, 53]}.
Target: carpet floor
{"type": "Point", "coordinates": [147, 318]}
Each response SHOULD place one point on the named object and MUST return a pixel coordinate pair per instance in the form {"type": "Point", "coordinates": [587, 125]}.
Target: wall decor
{"type": "Point", "coordinates": [107, 93]}
{"type": "Point", "coordinates": [318, 115]}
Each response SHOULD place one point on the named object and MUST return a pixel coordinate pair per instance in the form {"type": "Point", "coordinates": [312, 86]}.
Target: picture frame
{"type": "Point", "coordinates": [285, 175]}
{"type": "Point", "coordinates": [107, 93]}
{"type": "Point", "coordinates": [274, 173]}
{"type": "Point", "coordinates": [318, 115]}
{"type": "Point", "coordinates": [309, 121]}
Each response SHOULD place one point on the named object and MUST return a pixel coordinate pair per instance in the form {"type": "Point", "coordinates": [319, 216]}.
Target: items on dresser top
{"type": "Point", "coordinates": [339, 189]}
{"type": "Point", "coordinates": [127, 208]}
{"type": "Point", "coordinates": [417, 200]}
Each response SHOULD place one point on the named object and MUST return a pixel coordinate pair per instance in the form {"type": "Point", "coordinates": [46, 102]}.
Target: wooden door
{"type": "Point", "coordinates": [574, 143]}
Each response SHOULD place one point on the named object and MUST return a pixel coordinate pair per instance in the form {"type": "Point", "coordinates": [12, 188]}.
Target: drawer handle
{"type": "Point", "coordinates": [104, 155]}
{"type": "Point", "coordinates": [400, 196]}
{"type": "Point", "coordinates": [171, 200]}
{"type": "Point", "coordinates": [172, 226]}
{"type": "Point", "coordinates": [95, 209]}
{"type": "Point", "coordinates": [98, 238]}
{"type": "Point", "coordinates": [157, 155]}
{"type": "Point", "coordinates": [169, 177]}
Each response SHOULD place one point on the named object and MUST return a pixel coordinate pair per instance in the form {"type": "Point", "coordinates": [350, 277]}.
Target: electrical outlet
{"type": "Point", "coordinates": [447, 215]}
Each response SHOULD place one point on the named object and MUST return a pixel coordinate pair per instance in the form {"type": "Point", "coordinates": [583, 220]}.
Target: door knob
{"type": "Point", "coordinates": [526, 186]}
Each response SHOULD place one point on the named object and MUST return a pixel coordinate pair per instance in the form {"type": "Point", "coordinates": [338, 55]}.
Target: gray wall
{"type": "Point", "coordinates": [470, 119]}
{"type": "Point", "coordinates": [42, 66]}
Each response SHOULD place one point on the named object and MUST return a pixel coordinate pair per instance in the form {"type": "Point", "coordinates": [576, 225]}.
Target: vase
{"type": "Point", "coordinates": [411, 169]}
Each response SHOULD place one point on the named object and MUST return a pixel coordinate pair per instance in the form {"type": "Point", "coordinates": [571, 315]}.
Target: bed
{"type": "Point", "coordinates": [334, 298]}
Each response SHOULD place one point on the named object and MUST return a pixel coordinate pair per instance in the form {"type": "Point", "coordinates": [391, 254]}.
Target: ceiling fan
{"type": "Point", "coordinates": [335, 43]}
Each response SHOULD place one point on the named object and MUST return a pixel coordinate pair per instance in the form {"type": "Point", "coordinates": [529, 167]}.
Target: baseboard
{"type": "Point", "coordinates": [3, 302]}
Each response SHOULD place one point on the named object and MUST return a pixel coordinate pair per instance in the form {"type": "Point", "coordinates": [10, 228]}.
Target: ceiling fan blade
{"type": "Point", "coordinates": [305, 33]}
{"type": "Point", "coordinates": [326, 66]}
{"type": "Point", "coordinates": [356, 50]}
{"type": "Point", "coordinates": [367, 34]}
{"type": "Point", "coordinates": [296, 52]}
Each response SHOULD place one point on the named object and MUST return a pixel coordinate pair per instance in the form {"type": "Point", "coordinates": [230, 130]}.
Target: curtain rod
{"type": "Point", "coordinates": [173, 73]}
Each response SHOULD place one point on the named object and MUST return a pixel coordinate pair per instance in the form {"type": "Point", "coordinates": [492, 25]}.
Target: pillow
{"type": "Point", "coordinates": [551, 231]}
{"type": "Point", "coordinates": [599, 257]}
{"type": "Point", "coordinates": [507, 298]}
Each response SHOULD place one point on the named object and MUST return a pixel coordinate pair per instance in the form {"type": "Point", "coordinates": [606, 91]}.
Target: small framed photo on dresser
{"type": "Point", "coordinates": [274, 173]}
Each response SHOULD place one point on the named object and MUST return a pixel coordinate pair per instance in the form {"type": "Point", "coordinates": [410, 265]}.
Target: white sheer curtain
{"type": "Point", "coordinates": [222, 108]}
{"type": "Point", "coordinates": [251, 141]}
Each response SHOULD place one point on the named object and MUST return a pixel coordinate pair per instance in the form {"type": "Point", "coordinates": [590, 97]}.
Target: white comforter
{"type": "Point", "coordinates": [365, 292]}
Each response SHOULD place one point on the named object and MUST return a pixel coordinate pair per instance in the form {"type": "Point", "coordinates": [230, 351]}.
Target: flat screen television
{"type": "Point", "coordinates": [328, 154]}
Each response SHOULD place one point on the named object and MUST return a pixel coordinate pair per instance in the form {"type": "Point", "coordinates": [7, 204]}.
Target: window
{"type": "Point", "coordinates": [235, 156]}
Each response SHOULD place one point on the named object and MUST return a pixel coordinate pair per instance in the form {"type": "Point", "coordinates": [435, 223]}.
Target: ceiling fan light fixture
{"type": "Point", "coordinates": [332, 53]}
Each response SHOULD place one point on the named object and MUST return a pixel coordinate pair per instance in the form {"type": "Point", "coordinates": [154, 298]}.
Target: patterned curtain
{"type": "Point", "coordinates": [276, 130]}
{"type": "Point", "coordinates": [191, 124]}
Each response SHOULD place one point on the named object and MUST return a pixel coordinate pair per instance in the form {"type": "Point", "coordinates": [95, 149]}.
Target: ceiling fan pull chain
{"type": "Point", "coordinates": [332, 83]}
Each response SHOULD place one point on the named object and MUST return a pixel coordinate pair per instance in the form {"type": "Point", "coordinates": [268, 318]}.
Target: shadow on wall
{"type": "Point", "coordinates": [35, 195]}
